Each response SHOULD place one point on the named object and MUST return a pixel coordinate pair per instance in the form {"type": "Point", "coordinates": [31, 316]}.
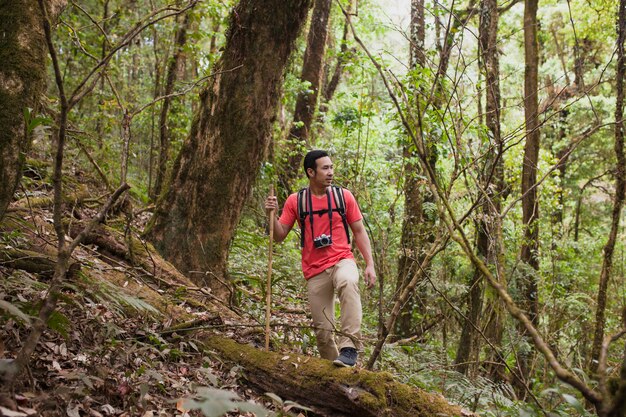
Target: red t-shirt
{"type": "Point", "coordinates": [316, 260]}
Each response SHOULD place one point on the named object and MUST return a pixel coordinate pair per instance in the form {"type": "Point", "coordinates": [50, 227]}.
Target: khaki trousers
{"type": "Point", "coordinates": [344, 279]}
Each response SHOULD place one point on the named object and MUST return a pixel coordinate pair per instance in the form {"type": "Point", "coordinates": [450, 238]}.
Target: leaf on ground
{"type": "Point", "coordinates": [10, 413]}
{"type": "Point", "coordinates": [14, 311]}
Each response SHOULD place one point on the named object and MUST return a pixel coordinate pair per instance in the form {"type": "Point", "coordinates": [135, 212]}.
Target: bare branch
{"type": "Point", "coordinates": [154, 17]}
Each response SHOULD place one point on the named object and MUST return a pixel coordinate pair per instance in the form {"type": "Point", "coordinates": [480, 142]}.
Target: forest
{"type": "Point", "coordinates": [482, 139]}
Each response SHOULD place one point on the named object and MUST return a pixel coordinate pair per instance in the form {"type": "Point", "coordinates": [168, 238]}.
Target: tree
{"type": "Point", "coordinates": [333, 82]}
{"type": "Point", "coordinates": [416, 227]}
{"type": "Point", "coordinates": [216, 168]}
{"type": "Point", "coordinates": [306, 103]}
{"type": "Point", "coordinates": [530, 205]}
{"type": "Point", "coordinates": [170, 80]}
{"type": "Point", "coordinates": [620, 184]}
{"type": "Point", "coordinates": [22, 82]}
{"type": "Point", "coordinates": [489, 242]}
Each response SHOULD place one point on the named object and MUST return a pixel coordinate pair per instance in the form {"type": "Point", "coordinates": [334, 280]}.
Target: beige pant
{"type": "Point", "coordinates": [343, 278]}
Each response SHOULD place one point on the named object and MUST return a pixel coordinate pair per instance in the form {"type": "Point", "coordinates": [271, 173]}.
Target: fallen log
{"type": "Point", "coordinates": [328, 390]}
{"type": "Point", "coordinates": [33, 262]}
{"type": "Point", "coordinates": [111, 242]}
{"type": "Point", "coordinates": [47, 201]}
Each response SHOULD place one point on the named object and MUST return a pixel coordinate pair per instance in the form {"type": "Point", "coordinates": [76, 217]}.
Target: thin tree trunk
{"type": "Point", "coordinates": [170, 80]}
{"type": "Point", "coordinates": [530, 205]}
{"type": "Point", "coordinates": [489, 228]}
{"type": "Point", "coordinates": [216, 168]}
{"type": "Point", "coordinates": [333, 83]}
{"type": "Point", "coordinates": [156, 93]}
{"type": "Point", "coordinates": [306, 103]}
{"type": "Point", "coordinates": [417, 226]}
{"type": "Point", "coordinates": [494, 328]}
{"type": "Point", "coordinates": [620, 184]}
{"type": "Point", "coordinates": [561, 155]}
{"type": "Point", "coordinates": [103, 53]}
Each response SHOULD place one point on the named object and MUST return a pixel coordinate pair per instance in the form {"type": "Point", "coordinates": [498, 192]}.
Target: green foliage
{"type": "Point", "coordinates": [372, 150]}
{"type": "Point", "coordinates": [59, 323]}
{"type": "Point", "coordinates": [33, 122]}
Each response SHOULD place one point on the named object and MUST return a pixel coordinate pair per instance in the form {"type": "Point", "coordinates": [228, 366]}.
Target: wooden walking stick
{"type": "Point", "coordinates": [268, 290]}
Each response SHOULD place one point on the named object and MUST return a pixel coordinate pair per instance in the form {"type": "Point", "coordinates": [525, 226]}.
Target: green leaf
{"type": "Point", "coordinates": [277, 400]}
{"type": "Point", "coordinates": [59, 323]}
{"type": "Point", "coordinates": [573, 401]}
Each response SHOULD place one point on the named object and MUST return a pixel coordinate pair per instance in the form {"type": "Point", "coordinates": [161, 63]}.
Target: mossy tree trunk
{"type": "Point", "coordinates": [22, 81]}
{"type": "Point", "coordinates": [213, 175]}
{"type": "Point", "coordinates": [329, 391]}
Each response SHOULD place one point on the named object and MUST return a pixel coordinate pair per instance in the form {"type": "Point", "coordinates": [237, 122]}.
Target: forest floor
{"type": "Point", "coordinates": [128, 337]}
{"type": "Point", "coordinates": [112, 347]}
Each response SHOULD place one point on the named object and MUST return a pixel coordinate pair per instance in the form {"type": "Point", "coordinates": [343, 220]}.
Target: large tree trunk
{"type": "Point", "coordinates": [170, 80]}
{"type": "Point", "coordinates": [417, 227]}
{"type": "Point", "coordinates": [216, 168]}
{"type": "Point", "coordinates": [530, 205]}
{"type": "Point", "coordinates": [22, 81]}
{"type": "Point", "coordinates": [306, 103]}
{"type": "Point", "coordinates": [620, 184]}
{"type": "Point", "coordinates": [314, 383]}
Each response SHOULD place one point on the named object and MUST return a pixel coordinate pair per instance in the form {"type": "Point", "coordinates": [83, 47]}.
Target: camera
{"type": "Point", "coordinates": [322, 241]}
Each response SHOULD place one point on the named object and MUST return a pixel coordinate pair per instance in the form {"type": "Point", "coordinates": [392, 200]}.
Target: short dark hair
{"type": "Point", "coordinates": [310, 160]}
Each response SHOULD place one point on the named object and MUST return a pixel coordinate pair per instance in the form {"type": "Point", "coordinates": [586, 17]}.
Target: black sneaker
{"type": "Point", "coordinates": [347, 357]}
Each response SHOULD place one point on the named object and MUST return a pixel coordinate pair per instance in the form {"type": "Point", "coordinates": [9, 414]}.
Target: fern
{"type": "Point", "coordinates": [106, 292]}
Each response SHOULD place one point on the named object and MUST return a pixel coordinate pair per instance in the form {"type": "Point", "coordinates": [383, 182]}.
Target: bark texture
{"type": "Point", "coordinates": [530, 204]}
{"type": "Point", "coordinates": [306, 103]}
{"type": "Point", "coordinates": [215, 170]}
{"type": "Point", "coordinates": [417, 225]}
{"type": "Point", "coordinates": [330, 391]}
{"type": "Point", "coordinates": [22, 81]}
{"type": "Point", "coordinates": [620, 187]}
{"type": "Point", "coordinates": [170, 80]}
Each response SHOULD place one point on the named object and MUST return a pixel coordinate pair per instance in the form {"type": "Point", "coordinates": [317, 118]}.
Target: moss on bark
{"type": "Point", "coordinates": [330, 390]}
{"type": "Point", "coordinates": [213, 175]}
{"type": "Point", "coordinates": [22, 81]}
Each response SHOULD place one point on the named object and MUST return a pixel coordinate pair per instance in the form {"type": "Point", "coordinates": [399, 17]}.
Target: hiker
{"type": "Point", "coordinates": [325, 214]}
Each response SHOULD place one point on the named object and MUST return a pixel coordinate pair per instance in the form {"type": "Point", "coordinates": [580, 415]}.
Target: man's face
{"type": "Point", "coordinates": [323, 174]}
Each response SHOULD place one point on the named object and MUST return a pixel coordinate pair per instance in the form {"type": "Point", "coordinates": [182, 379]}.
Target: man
{"type": "Point", "coordinates": [328, 264]}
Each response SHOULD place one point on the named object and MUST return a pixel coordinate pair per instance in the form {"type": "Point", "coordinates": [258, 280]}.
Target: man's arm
{"type": "Point", "coordinates": [362, 242]}
{"type": "Point", "coordinates": [280, 230]}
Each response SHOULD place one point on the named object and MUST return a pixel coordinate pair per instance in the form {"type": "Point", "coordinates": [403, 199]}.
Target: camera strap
{"type": "Point", "coordinates": [330, 213]}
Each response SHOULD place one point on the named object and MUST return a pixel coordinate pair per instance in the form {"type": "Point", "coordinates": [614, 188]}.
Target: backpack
{"type": "Point", "coordinates": [340, 204]}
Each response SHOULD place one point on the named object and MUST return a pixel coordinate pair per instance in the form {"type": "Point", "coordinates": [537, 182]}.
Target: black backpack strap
{"type": "Point", "coordinates": [340, 203]}
{"type": "Point", "coordinates": [302, 212]}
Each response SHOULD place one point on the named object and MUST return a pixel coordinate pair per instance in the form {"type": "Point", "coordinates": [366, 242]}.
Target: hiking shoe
{"type": "Point", "coordinates": [347, 357]}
